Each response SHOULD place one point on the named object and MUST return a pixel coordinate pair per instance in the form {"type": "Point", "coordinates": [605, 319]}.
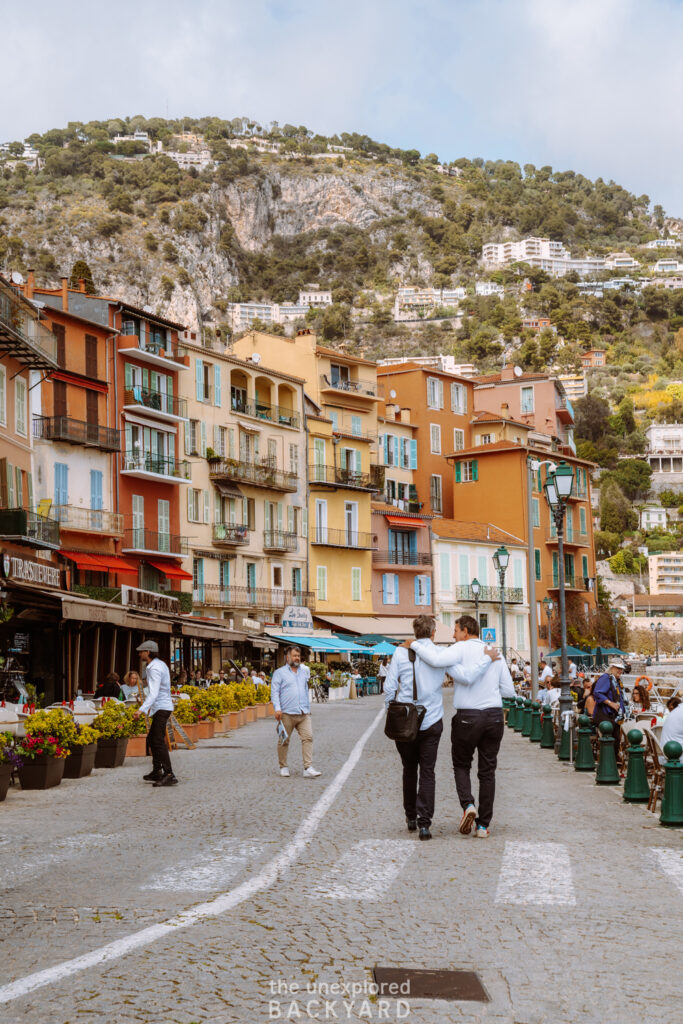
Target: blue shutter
{"type": "Point", "coordinates": [386, 449]}
{"type": "Point", "coordinates": [412, 542]}
{"type": "Point", "coordinates": [95, 489]}
{"type": "Point", "coordinates": [61, 483]}
{"type": "Point", "coordinates": [384, 588]}
{"type": "Point", "coordinates": [413, 454]}
{"type": "Point", "coordinates": [199, 380]}
{"type": "Point", "coordinates": [428, 590]}
{"type": "Point", "coordinates": [402, 458]}
{"type": "Point", "coordinates": [417, 589]}
{"type": "Point", "coordinates": [458, 473]}
{"type": "Point", "coordinates": [216, 385]}
{"type": "Point", "coordinates": [396, 590]}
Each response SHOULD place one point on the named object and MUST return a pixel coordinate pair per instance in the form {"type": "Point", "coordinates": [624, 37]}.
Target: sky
{"type": "Point", "coordinates": [589, 85]}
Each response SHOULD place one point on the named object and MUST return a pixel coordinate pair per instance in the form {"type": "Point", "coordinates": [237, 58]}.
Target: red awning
{"type": "Point", "coordinates": [83, 561]}
{"type": "Point", "coordinates": [171, 570]}
{"type": "Point", "coordinates": [115, 564]}
{"type": "Point", "coordinates": [405, 521]}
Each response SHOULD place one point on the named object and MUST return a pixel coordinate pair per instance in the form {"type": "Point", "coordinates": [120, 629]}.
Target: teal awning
{"type": "Point", "coordinates": [572, 652]}
{"type": "Point", "coordinates": [323, 644]}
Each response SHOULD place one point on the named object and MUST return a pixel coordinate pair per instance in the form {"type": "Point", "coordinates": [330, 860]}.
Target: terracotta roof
{"type": "Point", "coordinates": [332, 352]}
{"type": "Point", "coordinates": [491, 417]}
{"type": "Point", "coordinates": [496, 378]}
{"type": "Point", "coordinates": [498, 446]}
{"type": "Point", "coordinates": [456, 529]}
{"type": "Point", "coordinates": [482, 449]}
{"type": "Point", "coordinates": [433, 371]}
{"type": "Point", "coordinates": [644, 601]}
{"type": "Point", "coordinates": [384, 509]}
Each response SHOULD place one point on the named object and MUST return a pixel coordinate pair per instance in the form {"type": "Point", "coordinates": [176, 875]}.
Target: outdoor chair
{"type": "Point", "coordinates": [654, 764]}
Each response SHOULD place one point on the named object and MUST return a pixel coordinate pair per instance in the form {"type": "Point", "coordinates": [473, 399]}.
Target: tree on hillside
{"type": "Point", "coordinates": [81, 271]}
{"type": "Point", "coordinates": [616, 513]}
{"type": "Point", "coordinates": [592, 418]}
{"type": "Point", "coordinates": [633, 477]}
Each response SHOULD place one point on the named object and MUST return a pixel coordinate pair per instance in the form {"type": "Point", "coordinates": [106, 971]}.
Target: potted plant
{"type": "Point", "coordinates": [82, 750]}
{"type": "Point", "coordinates": [9, 760]}
{"type": "Point", "coordinates": [43, 760]}
{"type": "Point", "coordinates": [114, 727]}
{"type": "Point", "coordinates": [186, 714]}
{"type": "Point", "coordinates": [137, 739]}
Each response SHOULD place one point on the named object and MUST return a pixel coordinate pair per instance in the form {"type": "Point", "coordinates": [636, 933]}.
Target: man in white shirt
{"type": "Point", "coordinates": [382, 672]}
{"type": "Point", "coordinates": [418, 799]}
{"type": "Point", "coordinates": [478, 720]}
{"type": "Point", "coordinates": [549, 694]}
{"type": "Point", "coordinates": [673, 727]}
{"type": "Point", "coordinates": [572, 671]}
{"type": "Point", "coordinates": [289, 694]}
{"type": "Point", "coordinates": [545, 671]}
{"type": "Point", "coordinates": [160, 704]}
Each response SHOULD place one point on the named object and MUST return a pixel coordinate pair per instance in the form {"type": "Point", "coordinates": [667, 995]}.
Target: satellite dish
{"type": "Point", "coordinates": [256, 358]}
{"type": "Point", "coordinates": [17, 278]}
{"type": "Point", "coordinates": [518, 371]}
{"type": "Point", "coordinates": [147, 309]}
{"type": "Point", "coordinates": [392, 394]}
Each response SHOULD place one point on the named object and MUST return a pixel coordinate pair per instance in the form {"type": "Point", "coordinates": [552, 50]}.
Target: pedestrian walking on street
{"type": "Point", "coordinates": [478, 722]}
{"type": "Point", "coordinates": [160, 705]}
{"type": "Point", "coordinates": [289, 694]}
{"type": "Point", "coordinates": [382, 673]}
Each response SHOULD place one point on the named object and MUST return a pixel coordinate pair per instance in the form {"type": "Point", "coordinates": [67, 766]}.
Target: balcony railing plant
{"type": "Point", "coordinates": [403, 557]}
{"type": "Point", "coordinates": [354, 387]}
{"type": "Point", "coordinates": [148, 463]}
{"type": "Point", "coordinates": [230, 533]}
{"type": "Point", "coordinates": [27, 527]}
{"type": "Point", "coordinates": [90, 520]}
{"type": "Point", "coordinates": [157, 401]}
{"type": "Point", "coordinates": [278, 540]}
{"type": "Point", "coordinates": [255, 598]}
{"type": "Point", "coordinates": [490, 595]}
{"type": "Point", "coordinates": [64, 428]}
{"type": "Point", "coordinates": [265, 411]}
{"type": "Point", "coordinates": [140, 539]}
{"type": "Point", "coordinates": [260, 473]}
{"type": "Point", "coordinates": [342, 538]}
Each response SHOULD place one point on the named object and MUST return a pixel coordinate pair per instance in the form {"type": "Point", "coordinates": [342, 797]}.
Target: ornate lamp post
{"type": "Point", "coordinates": [501, 560]}
{"type": "Point", "coordinates": [549, 604]}
{"type": "Point", "coordinates": [656, 630]}
{"type": "Point", "coordinates": [475, 587]}
{"type": "Point", "coordinates": [558, 489]}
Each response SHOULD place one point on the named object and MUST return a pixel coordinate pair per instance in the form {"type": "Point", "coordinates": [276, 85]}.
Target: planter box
{"type": "Point", "coordinates": [205, 729]}
{"type": "Point", "coordinates": [42, 773]}
{"type": "Point", "coordinates": [270, 709]}
{"type": "Point", "coordinates": [192, 730]}
{"type": "Point", "coordinates": [234, 720]}
{"type": "Point", "coordinates": [242, 715]}
{"type": "Point", "coordinates": [80, 761]}
{"type": "Point", "coordinates": [223, 723]}
{"type": "Point", "coordinates": [5, 773]}
{"type": "Point", "coordinates": [261, 711]}
{"type": "Point", "coordinates": [110, 753]}
{"type": "Point", "coordinates": [137, 746]}
{"type": "Point", "coordinates": [251, 714]}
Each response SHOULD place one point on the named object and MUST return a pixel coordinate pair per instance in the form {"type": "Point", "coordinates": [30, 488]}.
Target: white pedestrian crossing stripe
{"type": "Point", "coordinates": [536, 874]}
{"type": "Point", "coordinates": [212, 871]}
{"type": "Point", "coordinates": [671, 863]}
{"type": "Point", "coordinates": [366, 871]}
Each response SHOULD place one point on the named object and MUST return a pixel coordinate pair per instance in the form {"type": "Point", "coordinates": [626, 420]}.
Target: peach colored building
{"type": "Point", "coordinates": [533, 398]}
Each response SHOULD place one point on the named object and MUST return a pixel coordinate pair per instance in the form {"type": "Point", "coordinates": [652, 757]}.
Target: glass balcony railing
{"type": "Point", "coordinates": [157, 401]}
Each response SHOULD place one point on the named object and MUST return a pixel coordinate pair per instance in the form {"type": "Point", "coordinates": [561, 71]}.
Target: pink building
{"type": "Point", "coordinates": [401, 562]}
{"type": "Point", "coordinates": [535, 399]}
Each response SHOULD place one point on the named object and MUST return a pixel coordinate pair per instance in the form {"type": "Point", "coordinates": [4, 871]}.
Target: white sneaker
{"type": "Point", "coordinates": [284, 772]}
{"type": "Point", "coordinates": [482, 833]}
{"type": "Point", "coordinates": [311, 773]}
{"type": "Point", "coordinates": [467, 820]}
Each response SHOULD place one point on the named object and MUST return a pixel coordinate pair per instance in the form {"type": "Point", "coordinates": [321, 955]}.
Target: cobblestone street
{"type": "Point", "coordinates": [570, 912]}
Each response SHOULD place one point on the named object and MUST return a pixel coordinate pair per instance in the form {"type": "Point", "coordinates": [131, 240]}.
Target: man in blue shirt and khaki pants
{"type": "Point", "coordinates": [289, 694]}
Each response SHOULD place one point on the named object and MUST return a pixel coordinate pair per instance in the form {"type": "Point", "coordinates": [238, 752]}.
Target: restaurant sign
{"type": "Point", "coordinates": [149, 600]}
{"type": "Point", "coordinates": [295, 616]}
{"type": "Point", "coordinates": [25, 571]}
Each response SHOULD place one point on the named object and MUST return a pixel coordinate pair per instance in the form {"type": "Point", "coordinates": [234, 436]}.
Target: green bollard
{"type": "Point", "coordinates": [526, 718]}
{"type": "Point", "coordinates": [519, 714]}
{"type": "Point", "coordinates": [547, 730]}
{"type": "Point", "coordinates": [506, 708]}
{"type": "Point", "coordinates": [512, 713]}
{"type": "Point", "coordinates": [636, 788]}
{"type": "Point", "coordinates": [585, 762]}
{"type": "Point", "coordinates": [607, 773]}
{"type": "Point", "coordinates": [564, 749]}
{"type": "Point", "coordinates": [536, 728]}
{"type": "Point", "coordinates": [672, 798]}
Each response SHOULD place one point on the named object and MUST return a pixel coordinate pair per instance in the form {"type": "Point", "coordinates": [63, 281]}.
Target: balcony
{"type": "Point", "coordinates": [260, 473]}
{"type": "Point", "coordinates": [276, 540]}
{"type": "Point", "coordinates": [153, 353]}
{"type": "Point", "coordinates": [490, 595]}
{"type": "Point", "coordinates": [250, 598]}
{"type": "Point", "coordinates": [25, 527]}
{"type": "Point", "coordinates": [151, 542]}
{"type": "Point", "coordinates": [229, 535]}
{"type": "Point", "coordinates": [402, 559]}
{"type": "Point", "coordinates": [571, 582]}
{"type": "Point", "coordinates": [570, 540]}
{"type": "Point", "coordinates": [167, 407]}
{"type": "Point", "coordinates": [88, 520]}
{"type": "Point", "coordinates": [564, 411]}
{"type": "Point", "coordinates": [357, 388]}
{"type": "Point", "coordinates": [336, 476]}
{"type": "Point", "coordinates": [342, 539]}
{"type": "Point", "coordinates": [405, 505]}
{"type": "Point", "coordinates": [152, 467]}
{"type": "Point", "coordinates": [264, 411]}
{"type": "Point", "coordinates": [22, 336]}
{"type": "Point", "coordinates": [64, 428]}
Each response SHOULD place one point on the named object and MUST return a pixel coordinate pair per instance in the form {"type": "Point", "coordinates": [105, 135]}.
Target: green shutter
{"type": "Point", "coordinates": [458, 472]}
{"type": "Point", "coordinates": [537, 563]}
{"type": "Point", "coordinates": [475, 469]}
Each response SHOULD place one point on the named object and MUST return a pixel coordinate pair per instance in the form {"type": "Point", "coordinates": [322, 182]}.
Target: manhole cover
{"type": "Point", "coordinates": [414, 983]}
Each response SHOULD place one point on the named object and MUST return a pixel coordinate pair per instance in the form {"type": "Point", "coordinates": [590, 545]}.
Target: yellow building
{"type": "Point", "coordinates": [343, 472]}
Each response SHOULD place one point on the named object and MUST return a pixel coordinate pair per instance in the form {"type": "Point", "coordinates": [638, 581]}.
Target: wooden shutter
{"type": "Point", "coordinates": [91, 414]}
{"type": "Point", "coordinates": [91, 356]}
{"type": "Point", "coordinates": [59, 397]}
{"type": "Point", "coordinates": [59, 332]}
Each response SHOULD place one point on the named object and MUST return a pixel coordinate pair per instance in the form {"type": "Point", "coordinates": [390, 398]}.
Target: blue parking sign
{"type": "Point", "coordinates": [488, 635]}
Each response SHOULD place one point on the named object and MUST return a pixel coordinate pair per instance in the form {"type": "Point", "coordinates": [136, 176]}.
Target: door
{"type": "Point", "coordinates": [198, 580]}
{"type": "Point", "coordinates": [251, 582]}
{"type": "Point", "coordinates": [296, 584]}
{"type": "Point", "coordinates": [96, 498]}
{"type": "Point", "coordinates": [224, 580]}
{"type": "Point", "coordinates": [320, 521]}
{"type": "Point", "coordinates": [164, 524]}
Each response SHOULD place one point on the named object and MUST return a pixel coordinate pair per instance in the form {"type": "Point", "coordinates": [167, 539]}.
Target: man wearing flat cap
{"type": "Point", "coordinates": [609, 696]}
{"type": "Point", "coordinates": [160, 704]}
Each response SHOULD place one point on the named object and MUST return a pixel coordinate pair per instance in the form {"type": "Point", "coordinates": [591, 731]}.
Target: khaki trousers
{"type": "Point", "coordinates": [302, 724]}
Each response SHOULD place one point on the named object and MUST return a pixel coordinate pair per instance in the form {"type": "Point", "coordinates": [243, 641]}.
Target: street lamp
{"type": "Point", "coordinates": [549, 604]}
{"type": "Point", "coordinates": [615, 619]}
{"type": "Point", "coordinates": [501, 560]}
{"type": "Point", "coordinates": [558, 489]}
{"type": "Point", "coordinates": [475, 587]}
{"type": "Point", "coordinates": [656, 630]}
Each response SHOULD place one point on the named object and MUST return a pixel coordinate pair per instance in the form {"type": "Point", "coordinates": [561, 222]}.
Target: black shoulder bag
{"type": "Point", "coordinates": [404, 719]}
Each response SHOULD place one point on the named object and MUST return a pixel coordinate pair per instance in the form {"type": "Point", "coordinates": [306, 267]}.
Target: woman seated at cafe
{"type": "Point", "coordinates": [640, 700]}
{"type": "Point", "coordinates": [109, 688]}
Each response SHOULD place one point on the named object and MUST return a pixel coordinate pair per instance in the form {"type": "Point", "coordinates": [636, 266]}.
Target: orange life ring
{"type": "Point", "coordinates": [649, 681]}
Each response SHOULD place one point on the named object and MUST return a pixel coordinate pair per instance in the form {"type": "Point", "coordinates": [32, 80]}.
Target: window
{"type": "Point", "coordinates": [466, 471]}
{"type": "Point", "coordinates": [138, 507]}
{"type": "Point", "coordinates": [293, 458]}
{"type": "Point", "coordinates": [355, 583]}
{"type": "Point", "coordinates": [272, 450]}
{"type": "Point", "coordinates": [584, 567]}
{"type": "Point", "coordinates": [203, 379]}
{"type": "Point", "coordinates": [194, 505]}
{"type": "Point", "coordinates": [322, 582]}
{"type": "Point", "coordinates": [194, 437]}
{"type": "Point", "coordinates": [96, 478]}
{"type": "Point", "coordinates": [59, 398]}
{"type": "Point", "coordinates": [487, 439]}
{"type": "Point", "coordinates": [527, 400]}
{"type": "Point", "coordinates": [435, 438]}
{"type": "Point", "coordinates": [91, 356]}
{"type": "Point", "coordinates": [277, 576]}
{"type": "Point", "coordinates": [537, 563]}
{"type": "Point", "coordinates": [339, 376]}
{"type": "Point", "coordinates": [435, 493]}
{"type": "Point", "coordinates": [458, 399]}
{"type": "Point", "coordinates": [444, 571]}
{"type": "Point", "coordinates": [423, 590]}
{"type": "Point", "coordinates": [20, 405]}
{"type": "Point", "coordinates": [198, 578]}
{"type": "Point", "coordinates": [3, 397]}
{"type": "Point", "coordinates": [537, 511]}
{"type": "Point", "coordinates": [458, 439]}
{"type": "Point", "coordinates": [390, 588]}
{"type": "Point", "coordinates": [434, 393]}
{"type": "Point", "coordinates": [356, 425]}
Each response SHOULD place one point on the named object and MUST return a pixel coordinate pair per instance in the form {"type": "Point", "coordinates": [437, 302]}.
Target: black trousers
{"type": "Point", "coordinates": [420, 754]}
{"type": "Point", "coordinates": [156, 741]}
{"type": "Point", "coordinates": [481, 731]}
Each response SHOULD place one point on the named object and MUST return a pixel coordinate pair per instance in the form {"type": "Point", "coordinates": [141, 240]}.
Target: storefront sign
{"type": "Point", "coordinates": [295, 616]}
{"type": "Point", "coordinates": [251, 624]}
{"type": "Point", "coordinates": [25, 571]}
{"type": "Point", "coordinates": [21, 643]}
{"type": "Point", "coordinates": [149, 600]}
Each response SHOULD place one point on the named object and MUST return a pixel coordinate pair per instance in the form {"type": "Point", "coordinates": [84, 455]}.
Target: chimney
{"type": "Point", "coordinates": [390, 412]}
{"type": "Point", "coordinates": [507, 373]}
{"type": "Point", "coordinates": [505, 410]}
{"type": "Point", "coordinates": [30, 284]}
{"type": "Point", "coordinates": [404, 415]}
{"type": "Point", "coordinates": [81, 284]}
{"type": "Point", "coordinates": [65, 294]}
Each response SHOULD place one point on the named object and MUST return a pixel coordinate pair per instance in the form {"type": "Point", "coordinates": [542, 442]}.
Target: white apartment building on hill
{"type": "Point", "coordinates": [666, 572]}
{"type": "Point", "coordinates": [543, 253]}
{"type": "Point", "coordinates": [315, 297]}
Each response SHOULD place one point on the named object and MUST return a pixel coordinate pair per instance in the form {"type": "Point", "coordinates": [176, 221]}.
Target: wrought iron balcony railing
{"type": "Point", "coordinates": [490, 595]}
{"type": "Point", "coordinates": [157, 401]}
{"type": "Point", "coordinates": [140, 539]}
{"type": "Point", "coordinates": [277, 540]}
{"type": "Point", "coordinates": [22, 335]}
{"type": "Point", "coordinates": [64, 428]}
{"type": "Point", "coordinates": [265, 411]}
{"type": "Point", "coordinates": [261, 473]}
{"type": "Point", "coordinates": [402, 557]}
{"type": "Point", "coordinates": [341, 477]}
{"type": "Point", "coordinates": [230, 534]}
{"type": "Point", "coordinates": [342, 538]}
{"type": "Point", "coordinates": [254, 598]}
{"type": "Point", "coordinates": [364, 388]}
{"type": "Point", "coordinates": [26, 527]}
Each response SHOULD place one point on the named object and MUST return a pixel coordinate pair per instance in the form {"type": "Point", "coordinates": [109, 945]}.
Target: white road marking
{"type": "Point", "coordinates": [671, 863]}
{"type": "Point", "coordinates": [536, 873]}
{"type": "Point", "coordinates": [267, 877]}
{"type": "Point", "coordinates": [366, 871]}
{"type": "Point", "coordinates": [209, 872]}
